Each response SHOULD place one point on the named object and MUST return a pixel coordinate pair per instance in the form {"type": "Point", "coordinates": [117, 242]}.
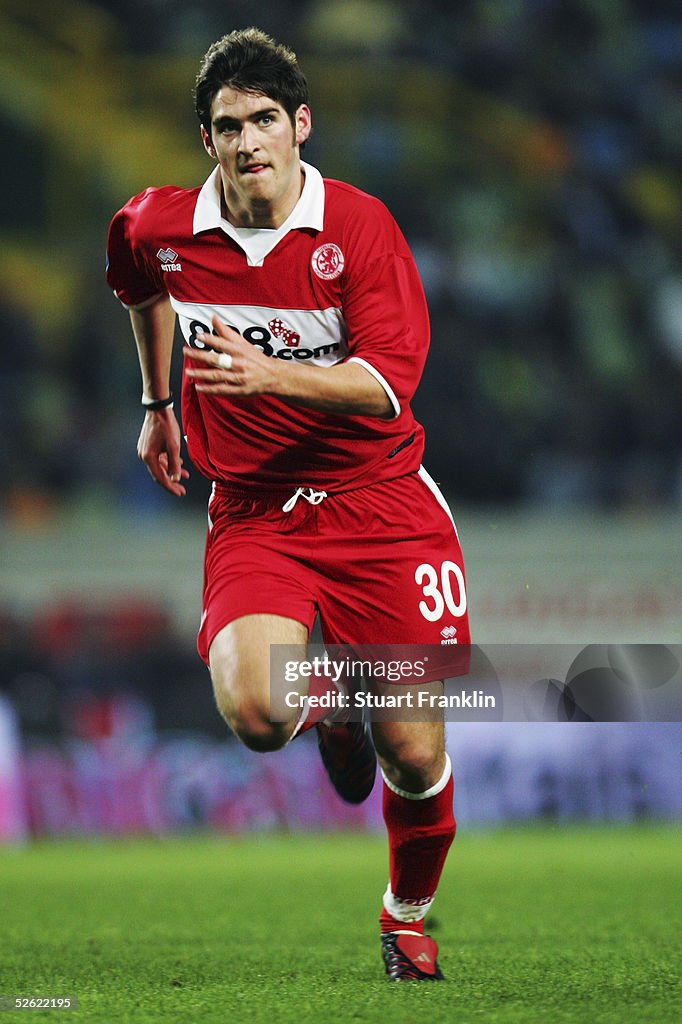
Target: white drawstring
{"type": "Point", "coordinates": [309, 493]}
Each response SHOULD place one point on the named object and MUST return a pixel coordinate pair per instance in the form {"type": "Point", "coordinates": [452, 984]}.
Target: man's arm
{"type": "Point", "coordinates": [159, 442]}
{"type": "Point", "coordinates": [348, 389]}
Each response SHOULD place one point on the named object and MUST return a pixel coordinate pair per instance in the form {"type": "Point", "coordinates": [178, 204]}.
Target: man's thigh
{"type": "Point", "coordinates": [239, 658]}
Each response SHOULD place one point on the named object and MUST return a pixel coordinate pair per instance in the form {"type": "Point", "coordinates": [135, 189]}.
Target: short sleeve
{"type": "Point", "coordinates": [131, 273]}
{"type": "Point", "coordinates": [386, 315]}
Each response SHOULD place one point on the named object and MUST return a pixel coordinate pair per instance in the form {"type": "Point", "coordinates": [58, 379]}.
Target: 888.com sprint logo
{"type": "Point", "coordinates": [287, 342]}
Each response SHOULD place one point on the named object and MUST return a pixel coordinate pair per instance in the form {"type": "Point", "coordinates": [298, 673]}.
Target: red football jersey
{"type": "Point", "coordinates": [335, 282]}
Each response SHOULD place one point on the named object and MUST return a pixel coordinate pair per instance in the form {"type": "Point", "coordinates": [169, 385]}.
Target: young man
{"type": "Point", "coordinates": [306, 334]}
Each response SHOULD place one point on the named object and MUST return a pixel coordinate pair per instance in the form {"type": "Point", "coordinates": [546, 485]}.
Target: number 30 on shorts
{"type": "Point", "coordinates": [437, 588]}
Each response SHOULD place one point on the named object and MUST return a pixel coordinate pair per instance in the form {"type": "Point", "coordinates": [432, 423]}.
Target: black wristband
{"type": "Point", "coordinates": [159, 403]}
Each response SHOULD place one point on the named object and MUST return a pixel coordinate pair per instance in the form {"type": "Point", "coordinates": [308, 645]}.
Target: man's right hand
{"type": "Point", "coordinates": [159, 448]}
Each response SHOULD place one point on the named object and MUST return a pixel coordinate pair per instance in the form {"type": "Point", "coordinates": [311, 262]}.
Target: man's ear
{"type": "Point", "coordinates": [303, 124]}
{"type": "Point", "coordinates": [208, 145]}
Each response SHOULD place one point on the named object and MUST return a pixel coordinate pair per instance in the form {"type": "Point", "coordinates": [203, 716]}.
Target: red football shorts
{"type": "Point", "coordinates": [380, 565]}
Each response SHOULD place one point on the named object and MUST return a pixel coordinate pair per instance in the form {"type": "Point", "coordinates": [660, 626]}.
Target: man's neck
{"type": "Point", "coordinates": [259, 215]}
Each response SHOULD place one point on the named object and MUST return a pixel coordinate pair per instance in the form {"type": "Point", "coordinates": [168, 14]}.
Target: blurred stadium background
{"type": "Point", "coordinates": [532, 152]}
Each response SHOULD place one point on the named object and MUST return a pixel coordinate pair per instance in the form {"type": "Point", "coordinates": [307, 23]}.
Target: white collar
{"type": "Point", "coordinates": [256, 243]}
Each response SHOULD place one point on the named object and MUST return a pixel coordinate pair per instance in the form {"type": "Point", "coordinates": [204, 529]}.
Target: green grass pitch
{"type": "Point", "coordinates": [551, 925]}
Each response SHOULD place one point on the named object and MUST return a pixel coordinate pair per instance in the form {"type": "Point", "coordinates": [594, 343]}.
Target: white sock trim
{"type": "Point", "coordinates": [302, 718]}
{"type": "Point", "coordinates": [437, 788]}
{"type": "Point", "coordinates": [404, 911]}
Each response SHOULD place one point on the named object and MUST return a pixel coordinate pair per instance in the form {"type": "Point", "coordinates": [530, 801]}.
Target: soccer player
{"type": "Point", "coordinates": [306, 332]}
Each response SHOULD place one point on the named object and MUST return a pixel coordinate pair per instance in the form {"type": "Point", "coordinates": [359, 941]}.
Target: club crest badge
{"type": "Point", "coordinates": [328, 261]}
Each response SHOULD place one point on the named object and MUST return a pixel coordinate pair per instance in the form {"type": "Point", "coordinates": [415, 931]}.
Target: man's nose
{"type": "Point", "coordinates": [247, 139]}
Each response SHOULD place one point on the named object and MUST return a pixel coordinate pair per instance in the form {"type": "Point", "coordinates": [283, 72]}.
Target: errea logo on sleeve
{"type": "Point", "coordinates": [168, 259]}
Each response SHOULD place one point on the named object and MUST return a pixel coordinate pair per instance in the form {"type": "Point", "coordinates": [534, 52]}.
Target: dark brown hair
{"type": "Point", "coordinates": [250, 61]}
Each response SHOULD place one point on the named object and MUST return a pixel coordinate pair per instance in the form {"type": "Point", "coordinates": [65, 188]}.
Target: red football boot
{"type": "Point", "coordinates": [409, 956]}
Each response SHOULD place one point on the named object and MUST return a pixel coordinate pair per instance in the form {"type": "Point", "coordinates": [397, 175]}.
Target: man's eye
{"type": "Point", "coordinates": [266, 119]}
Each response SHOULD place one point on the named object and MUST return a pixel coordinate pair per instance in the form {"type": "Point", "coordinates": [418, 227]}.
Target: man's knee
{"type": "Point", "coordinates": [246, 709]}
{"type": "Point", "coordinates": [413, 755]}
{"type": "Point", "coordinates": [411, 758]}
{"type": "Point", "coordinates": [249, 719]}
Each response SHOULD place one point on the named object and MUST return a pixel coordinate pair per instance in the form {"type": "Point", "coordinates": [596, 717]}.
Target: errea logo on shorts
{"type": "Point", "coordinates": [168, 259]}
{"type": "Point", "coordinates": [328, 261]}
{"type": "Point", "coordinates": [449, 634]}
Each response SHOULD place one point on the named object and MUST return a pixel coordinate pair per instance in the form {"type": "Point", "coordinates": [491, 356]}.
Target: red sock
{"type": "Point", "coordinates": [420, 832]}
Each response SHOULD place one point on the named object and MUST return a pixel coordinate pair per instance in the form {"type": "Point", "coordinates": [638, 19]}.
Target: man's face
{"type": "Point", "coordinates": [256, 146]}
